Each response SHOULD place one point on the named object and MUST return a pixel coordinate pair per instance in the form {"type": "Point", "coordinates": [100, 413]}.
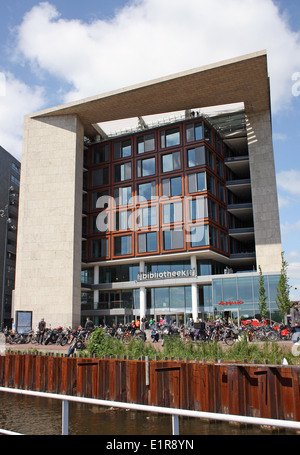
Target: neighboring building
{"type": "Point", "coordinates": [9, 195]}
{"type": "Point", "coordinates": [170, 218]}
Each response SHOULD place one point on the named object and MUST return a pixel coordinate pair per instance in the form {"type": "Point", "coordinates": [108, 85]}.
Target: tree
{"type": "Point", "coordinates": [262, 298]}
{"type": "Point", "coordinates": [283, 290]}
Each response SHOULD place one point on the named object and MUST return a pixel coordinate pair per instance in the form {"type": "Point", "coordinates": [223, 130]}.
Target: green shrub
{"type": "Point", "coordinates": [100, 345]}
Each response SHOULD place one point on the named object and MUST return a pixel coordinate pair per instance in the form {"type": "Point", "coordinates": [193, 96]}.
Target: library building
{"type": "Point", "coordinates": [156, 200]}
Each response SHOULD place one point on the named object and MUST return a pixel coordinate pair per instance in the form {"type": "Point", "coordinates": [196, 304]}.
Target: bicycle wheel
{"type": "Point", "coordinates": [272, 336]}
{"type": "Point", "coordinates": [229, 340]}
{"type": "Point", "coordinates": [35, 339]}
{"type": "Point", "coordinates": [125, 338]}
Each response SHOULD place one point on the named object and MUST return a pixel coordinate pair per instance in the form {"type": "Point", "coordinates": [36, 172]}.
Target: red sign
{"type": "Point", "coordinates": [238, 302]}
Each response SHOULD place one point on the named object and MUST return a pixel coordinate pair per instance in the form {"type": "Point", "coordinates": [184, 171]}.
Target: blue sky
{"type": "Point", "coordinates": [61, 50]}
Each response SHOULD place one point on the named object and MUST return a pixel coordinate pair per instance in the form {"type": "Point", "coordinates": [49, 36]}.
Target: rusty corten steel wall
{"type": "Point", "coordinates": [269, 391]}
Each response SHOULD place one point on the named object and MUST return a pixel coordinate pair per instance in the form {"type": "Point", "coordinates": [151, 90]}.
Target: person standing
{"type": "Point", "coordinates": [295, 321]}
{"type": "Point", "coordinates": [89, 325]}
{"type": "Point", "coordinates": [42, 328]}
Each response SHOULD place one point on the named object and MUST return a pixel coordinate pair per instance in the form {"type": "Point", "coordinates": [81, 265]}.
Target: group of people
{"type": "Point", "coordinates": [141, 324]}
{"type": "Point", "coordinates": [89, 325]}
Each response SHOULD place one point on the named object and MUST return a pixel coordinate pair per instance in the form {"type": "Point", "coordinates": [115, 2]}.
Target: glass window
{"type": "Point", "coordinates": [122, 149]}
{"type": "Point", "coordinates": [196, 182]}
{"type": "Point", "coordinates": [123, 195]}
{"type": "Point", "coordinates": [122, 172]}
{"type": "Point", "coordinates": [272, 285]}
{"type": "Point", "coordinates": [146, 191]}
{"type": "Point", "coordinates": [100, 176]}
{"type": "Point", "coordinates": [118, 273]}
{"type": "Point", "coordinates": [204, 268]}
{"type": "Point", "coordinates": [99, 248]}
{"type": "Point", "coordinates": [14, 180]}
{"type": "Point", "coordinates": [146, 167]}
{"type": "Point", "coordinates": [147, 242]}
{"type": "Point", "coordinates": [217, 291]}
{"type": "Point", "coordinates": [122, 245]}
{"type": "Point", "coordinates": [15, 168]}
{"type": "Point", "coordinates": [213, 237]}
{"type": "Point", "coordinates": [171, 187]}
{"type": "Point", "coordinates": [194, 132]}
{"type": "Point", "coordinates": [211, 183]}
{"type": "Point", "coordinates": [209, 158]}
{"type": "Point", "coordinates": [161, 296]}
{"type": "Point", "coordinates": [122, 220]}
{"type": "Point", "coordinates": [173, 239]}
{"type": "Point", "coordinates": [100, 223]}
{"type": "Point", "coordinates": [229, 290]}
{"type": "Point", "coordinates": [219, 147]}
{"type": "Point", "coordinates": [100, 200]}
{"type": "Point", "coordinates": [171, 162]}
{"type": "Point", "coordinates": [172, 213]}
{"type": "Point", "coordinates": [256, 289]}
{"type": "Point", "coordinates": [220, 167]}
{"type": "Point", "coordinates": [146, 216]}
{"type": "Point", "coordinates": [224, 241]}
{"type": "Point", "coordinates": [212, 210]}
{"type": "Point", "coordinates": [136, 299]}
{"type": "Point", "coordinates": [170, 138]}
{"type": "Point", "coordinates": [245, 290]}
{"type": "Point", "coordinates": [146, 143]}
{"type": "Point", "coordinates": [222, 216]}
{"type": "Point", "coordinates": [196, 156]}
{"type": "Point", "coordinates": [221, 192]}
{"type": "Point", "coordinates": [177, 298]}
{"type": "Point", "coordinates": [208, 135]}
{"type": "Point", "coordinates": [198, 208]}
{"type": "Point", "coordinates": [198, 236]}
{"type": "Point", "coordinates": [188, 298]}
{"type": "Point", "coordinates": [100, 153]}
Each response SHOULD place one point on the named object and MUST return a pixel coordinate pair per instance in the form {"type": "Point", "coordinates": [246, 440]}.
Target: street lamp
{"type": "Point", "coordinates": [4, 213]}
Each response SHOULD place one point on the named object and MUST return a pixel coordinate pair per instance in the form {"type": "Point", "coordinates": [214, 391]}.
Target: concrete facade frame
{"type": "Point", "coordinates": [50, 213]}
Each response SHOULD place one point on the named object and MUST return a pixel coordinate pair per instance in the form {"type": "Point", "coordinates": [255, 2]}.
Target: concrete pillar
{"type": "Point", "coordinates": [142, 293]}
{"type": "Point", "coordinates": [48, 267]}
{"type": "Point", "coordinates": [195, 300]}
{"type": "Point", "coordinates": [194, 263]}
{"type": "Point", "coordinates": [142, 302]}
{"type": "Point", "coordinates": [264, 192]}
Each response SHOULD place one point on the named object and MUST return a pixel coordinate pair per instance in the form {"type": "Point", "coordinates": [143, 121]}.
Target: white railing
{"type": "Point", "coordinates": [175, 413]}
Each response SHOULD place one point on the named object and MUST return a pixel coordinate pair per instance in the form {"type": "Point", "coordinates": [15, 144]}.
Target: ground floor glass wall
{"type": "Point", "coordinates": [236, 296]}
{"type": "Point", "coordinates": [241, 295]}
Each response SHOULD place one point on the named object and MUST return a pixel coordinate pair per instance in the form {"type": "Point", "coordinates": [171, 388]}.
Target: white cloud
{"type": "Point", "coordinates": [289, 181]}
{"type": "Point", "coordinates": [18, 100]}
{"type": "Point", "coordinates": [283, 201]}
{"type": "Point", "coordinates": [148, 39]}
{"type": "Point", "coordinates": [294, 279]}
{"type": "Point", "coordinates": [280, 137]}
{"type": "Point", "coordinates": [287, 227]}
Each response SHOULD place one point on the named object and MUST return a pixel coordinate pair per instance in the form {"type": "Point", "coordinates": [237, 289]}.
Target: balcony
{"type": "Point", "coordinates": [242, 234]}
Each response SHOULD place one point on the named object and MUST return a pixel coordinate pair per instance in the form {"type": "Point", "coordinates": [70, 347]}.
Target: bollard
{"type": "Point", "coordinates": [147, 372]}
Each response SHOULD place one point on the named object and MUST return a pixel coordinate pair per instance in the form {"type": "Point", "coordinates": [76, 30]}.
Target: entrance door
{"type": "Point", "coordinates": [232, 315]}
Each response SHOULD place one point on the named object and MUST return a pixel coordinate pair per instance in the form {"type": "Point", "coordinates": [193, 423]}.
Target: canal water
{"type": "Point", "coordinates": [42, 416]}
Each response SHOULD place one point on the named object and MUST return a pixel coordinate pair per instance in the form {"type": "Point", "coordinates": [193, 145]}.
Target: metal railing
{"type": "Point", "coordinates": [174, 413]}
